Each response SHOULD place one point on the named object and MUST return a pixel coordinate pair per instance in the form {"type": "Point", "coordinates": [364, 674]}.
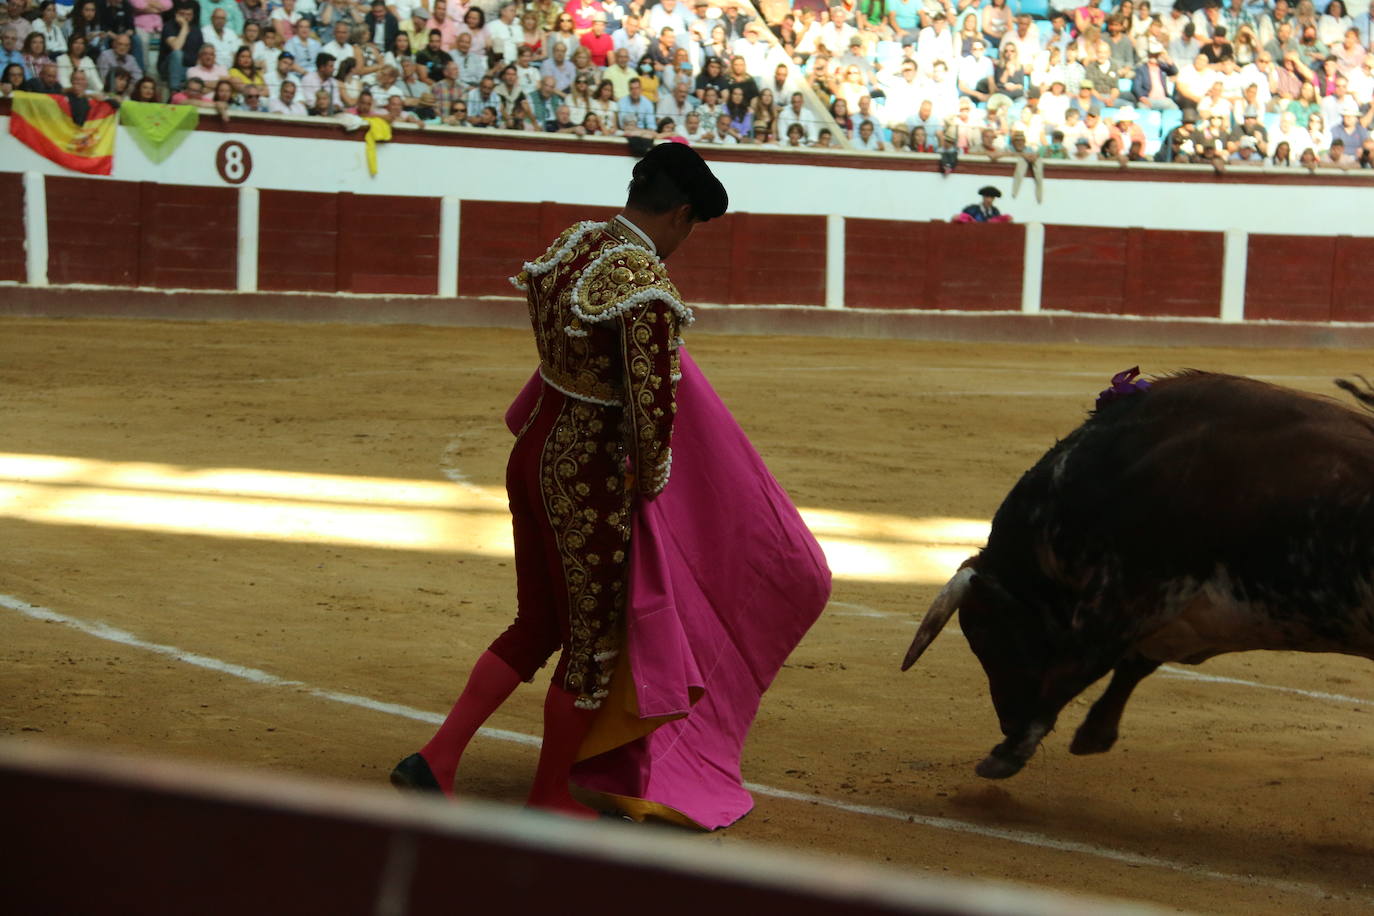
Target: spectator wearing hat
{"type": "Point", "coordinates": [1249, 128]}
{"type": "Point", "coordinates": [597, 42]}
{"type": "Point", "coordinates": [1126, 130]}
{"type": "Point", "coordinates": [987, 209]}
{"type": "Point", "coordinates": [1246, 153]}
{"type": "Point", "coordinates": [283, 72]}
{"type": "Point", "coordinates": [1349, 130]}
{"type": "Point", "coordinates": [754, 49]}
{"type": "Point", "coordinates": [1094, 131]}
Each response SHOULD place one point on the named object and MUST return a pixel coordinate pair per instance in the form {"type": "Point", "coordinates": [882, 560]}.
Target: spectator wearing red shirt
{"type": "Point", "coordinates": [597, 42]}
{"type": "Point", "coordinates": [584, 13]}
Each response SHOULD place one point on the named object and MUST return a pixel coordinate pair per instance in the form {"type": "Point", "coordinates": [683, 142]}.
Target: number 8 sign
{"type": "Point", "coordinates": [233, 162]}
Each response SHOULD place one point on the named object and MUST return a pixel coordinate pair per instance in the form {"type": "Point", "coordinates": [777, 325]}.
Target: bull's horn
{"type": "Point", "coordinates": [941, 609]}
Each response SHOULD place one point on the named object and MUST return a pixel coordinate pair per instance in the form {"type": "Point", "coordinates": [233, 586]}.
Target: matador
{"type": "Point", "coordinates": [606, 321]}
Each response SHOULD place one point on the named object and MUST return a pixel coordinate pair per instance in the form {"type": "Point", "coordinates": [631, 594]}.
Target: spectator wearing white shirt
{"type": "Point", "coordinates": [668, 14]}
{"type": "Point", "coordinates": [505, 33]}
{"type": "Point", "coordinates": [753, 49]}
{"type": "Point", "coordinates": [342, 49]}
{"type": "Point", "coordinates": [1054, 105]}
{"type": "Point", "coordinates": [795, 113]}
{"type": "Point", "coordinates": [266, 50]}
{"type": "Point", "coordinates": [223, 39]}
{"type": "Point", "coordinates": [936, 42]}
{"type": "Point", "coordinates": [867, 137]}
{"type": "Point", "coordinates": [677, 105]}
{"type": "Point", "coordinates": [529, 74]}
{"type": "Point", "coordinates": [693, 131]}
{"type": "Point", "coordinates": [283, 72]}
{"type": "Point", "coordinates": [834, 35]}
{"type": "Point", "coordinates": [285, 101]}
{"type": "Point", "coordinates": [975, 72]}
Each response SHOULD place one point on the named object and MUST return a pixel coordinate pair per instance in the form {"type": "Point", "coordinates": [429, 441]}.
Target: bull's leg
{"type": "Point", "coordinates": [1099, 730]}
{"type": "Point", "coordinates": [1060, 685]}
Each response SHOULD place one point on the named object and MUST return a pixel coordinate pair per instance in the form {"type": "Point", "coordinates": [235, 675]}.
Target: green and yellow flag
{"type": "Point", "coordinates": [158, 129]}
{"type": "Point", "coordinates": [44, 123]}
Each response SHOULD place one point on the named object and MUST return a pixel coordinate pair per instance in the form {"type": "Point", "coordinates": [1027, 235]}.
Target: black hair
{"type": "Point", "coordinates": [652, 191]}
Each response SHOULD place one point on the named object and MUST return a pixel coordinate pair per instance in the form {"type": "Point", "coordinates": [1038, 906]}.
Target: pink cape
{"type": "Point", "coordinates": [725, 580]}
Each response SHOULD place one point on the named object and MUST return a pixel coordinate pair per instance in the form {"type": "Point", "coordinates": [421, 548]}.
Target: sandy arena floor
{"type": "Point", "coordinates": [322, 504]}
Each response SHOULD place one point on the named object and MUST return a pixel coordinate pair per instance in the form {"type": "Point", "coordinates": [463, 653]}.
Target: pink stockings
{"type": "Point", "coordinates": [565, 725]}
{"type": "Point", "coordinates": [490, 683]}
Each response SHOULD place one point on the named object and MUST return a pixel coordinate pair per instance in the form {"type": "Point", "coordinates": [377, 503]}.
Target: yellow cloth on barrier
{"type": "Point", "coordinates": [378, 131]}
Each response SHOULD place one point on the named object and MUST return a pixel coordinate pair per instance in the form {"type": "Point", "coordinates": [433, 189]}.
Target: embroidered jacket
{"type": "Point", "coordinates": [606, 321]}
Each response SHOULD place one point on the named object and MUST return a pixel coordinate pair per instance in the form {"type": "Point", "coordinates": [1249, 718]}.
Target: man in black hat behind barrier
{"type": "Point", "coordinates": [985, 211]}
{"type": "Point", "coordinates": [606, 321]}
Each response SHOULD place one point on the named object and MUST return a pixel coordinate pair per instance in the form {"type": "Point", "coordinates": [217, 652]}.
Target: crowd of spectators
{"type": "Point", "coordinates": [1247, 82]}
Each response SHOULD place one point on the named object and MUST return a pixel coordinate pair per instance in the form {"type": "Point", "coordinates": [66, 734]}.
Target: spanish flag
{"type": "Point", "coordinates": [45, 124]}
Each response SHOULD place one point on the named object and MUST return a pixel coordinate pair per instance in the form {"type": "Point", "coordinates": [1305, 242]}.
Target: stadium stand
{"type": "Point", "coordinates": [1191, 82]}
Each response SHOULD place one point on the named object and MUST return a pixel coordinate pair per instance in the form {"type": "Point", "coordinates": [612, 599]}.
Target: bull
{"type": "Point", "coordinates": [1185, 518]}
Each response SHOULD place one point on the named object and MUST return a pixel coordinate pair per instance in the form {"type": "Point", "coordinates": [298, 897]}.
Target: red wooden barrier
{"type": "Point", "coordinates": [1352, 286]}
{"type": "Point", "coordinates": [298, 240]}
{"type": "Point", "coordinates": [188, 237]}
{"type": "Point", "coordinates": [1306, 278]}
{"type": "Point", "coordinates": [891, 264]}
{"type": "Point", "coordinates": [754, 259]}
{"type": "Point", "coordinates": [122, 233]}
{"type": "Point", "coordinates": [495, 238]}
{"type": "Point", "coordinates": [884, 263]}
{"type": "Point", "coordinates": [701, 267]}
{"type": "Point", "coordinates": [1132, 271]}
{"type": "Point", "coordinates": [12, 266]}
{"type": "Point", "coordinates": [93, 231]}
{"type": "Point", "coordinates": [388, 244]}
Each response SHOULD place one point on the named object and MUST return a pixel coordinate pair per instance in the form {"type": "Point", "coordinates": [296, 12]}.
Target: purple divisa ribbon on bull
{"type": "Point", "coordinates": [1124, 384]}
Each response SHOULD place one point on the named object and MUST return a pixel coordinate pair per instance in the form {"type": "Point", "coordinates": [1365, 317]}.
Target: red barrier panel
{"type": "Point", "coordinates": [1289, 277]}
{"type": "Point", "coordinates": [298, 241]}
{"type": "Point", "coordinates": [12, 266]}
{"type": "Point", "coordinates": [1309, 278]}
{"type": "Point", "coordinates": [1132, 271]}
{"type": "Point", "coordinates": [892, 264]}
{"type": "Point", "coordinates": [1352, 283]}
{"type": "Point", "coordinates": [188, 237]}
{"type": "Point", "coordinates": [753, 259]}
{"type": "Point", "coordinates": [388, 244]}
{"type": "Point", "coordinates": [701, 267]}
{"type": "Point", "coordinates": [884, 263]}
{"type": "Point", "coordinates": [496, 238]}
{"type": "Point", "coordinates": [93, 231]}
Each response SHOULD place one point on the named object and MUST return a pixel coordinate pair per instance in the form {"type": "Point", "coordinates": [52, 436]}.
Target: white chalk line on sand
{"type": "Point", "coordinates": [1022, 837]}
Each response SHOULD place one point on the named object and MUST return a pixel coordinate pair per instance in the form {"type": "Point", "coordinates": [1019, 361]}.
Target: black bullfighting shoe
{"type": "Point", "coordinates": [414, 774]}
